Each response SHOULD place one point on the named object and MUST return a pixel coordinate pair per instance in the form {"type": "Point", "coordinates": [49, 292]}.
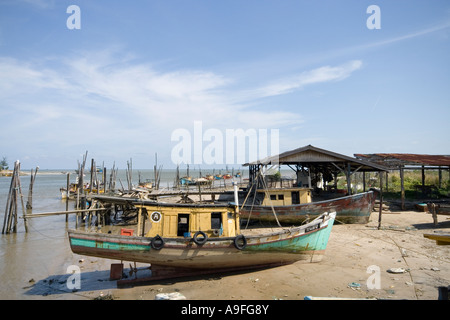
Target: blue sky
{"type": "Point", "coordinates": [135, 72]}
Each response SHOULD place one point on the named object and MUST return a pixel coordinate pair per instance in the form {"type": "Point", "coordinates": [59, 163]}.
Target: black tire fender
{"type": "Point", "coordinates": [157, 242]}
{"type": "Point", "coordinates": [240, 242]}
{"type": "Point", "coordinates": [202, 240]}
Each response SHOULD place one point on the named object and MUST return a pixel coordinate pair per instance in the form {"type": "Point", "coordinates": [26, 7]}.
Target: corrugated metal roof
{"type": "Point", "coordinates": [407, 158]}
{"type": "Point", "coordinates": [310, 155]}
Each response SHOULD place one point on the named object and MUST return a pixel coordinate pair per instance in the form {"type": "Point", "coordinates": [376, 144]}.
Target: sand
{"type": "Point", "coordinates": [355, 265]}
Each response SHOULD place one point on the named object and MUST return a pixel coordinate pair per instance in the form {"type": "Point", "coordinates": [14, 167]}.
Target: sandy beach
{"type": "Point", "coordinates": [358, 263]}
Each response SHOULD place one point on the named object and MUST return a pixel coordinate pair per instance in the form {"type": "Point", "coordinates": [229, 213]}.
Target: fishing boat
{"type": "Point", "coordinates": [201, 237]}
{"type": "Point", "coordinates": [295, 205]}
{"type": "Point", "coordinates": [187, 181]}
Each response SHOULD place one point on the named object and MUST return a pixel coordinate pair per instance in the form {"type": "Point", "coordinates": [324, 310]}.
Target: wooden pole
{"type": "Point", "coordinates": [423, 181]}
{"type": "Point", "coordinates": [19, 188]}
{"type": "Point", "coordinates": [349, 181]}
{"type": "Point", "coordinates": [381, 200]}
{"type": "Point", "coordinates": [364, 181]}
{"type": "Point", "coordinates": [30, 189]}
{"type": "Point", "coordinates": [139, 221]}
{"type": "Point", "coordinates": [91, 181]}
{"type": "Point", "coordinates": [56, 213]}
{"type": "Point", "coordinates": [7, 209]}
{"type": "Point", "coordinates": [68, 193]}
{"type": "Point", "coordinates": [402, 186]}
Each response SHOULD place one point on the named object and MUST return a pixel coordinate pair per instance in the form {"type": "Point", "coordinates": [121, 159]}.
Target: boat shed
{"type": "Point", "coordinates": [408, 161]}
{"type": "Point", "coordinates": [311, 160]}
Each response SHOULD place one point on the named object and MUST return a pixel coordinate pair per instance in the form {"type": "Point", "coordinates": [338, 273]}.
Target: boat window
{"type": "Point", "coordinates": [183, 224]}
{"type": "Point", "coordinates": [216, 220]}
{"type": "Point", "coordinates": [273, 197]}
{"type": "Point", "coordinates": [281, 197]}
{"type": "Point", "coordinates": [295, 197]}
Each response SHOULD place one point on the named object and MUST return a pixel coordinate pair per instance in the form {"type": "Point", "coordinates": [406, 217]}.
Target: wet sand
{"type": "Point", "coordinates": [342, 273]}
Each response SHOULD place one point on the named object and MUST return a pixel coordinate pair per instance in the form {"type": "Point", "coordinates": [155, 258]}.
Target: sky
{"type": "Point", "coordinates": [129, 80]}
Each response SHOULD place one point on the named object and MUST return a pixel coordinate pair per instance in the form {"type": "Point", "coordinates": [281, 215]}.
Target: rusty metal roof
{"type": "Point", "coordinates": [313, 156]}
{"type": "Point", "coordinates": [406, 158]}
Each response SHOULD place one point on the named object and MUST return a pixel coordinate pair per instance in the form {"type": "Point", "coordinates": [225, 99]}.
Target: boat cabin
{"type": "Point", "coordinates": [184, 220]}
{"type": "Point", "coordinates": [285, 196]}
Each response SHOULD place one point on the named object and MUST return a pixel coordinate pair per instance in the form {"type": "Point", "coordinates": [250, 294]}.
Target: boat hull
{"type": "Point", "coordinates": [288, 245]}
{"type": "Point", "coordinates": [350, 209]}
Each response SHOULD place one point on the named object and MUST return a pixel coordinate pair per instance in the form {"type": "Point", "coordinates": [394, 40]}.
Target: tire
{"type": "Point", "coordinates": [240, 242]}
{"type": "Point", "coordinates": [200, 241]}
{"type": "Point", "coordinates": [157, 242]}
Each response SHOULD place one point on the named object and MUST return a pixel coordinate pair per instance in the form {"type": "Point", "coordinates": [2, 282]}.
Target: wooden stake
{"type": "Point", "coordinates": [68, 193]}
{"type": "Point", "coordinates": [30, 189]}
{"type": "Point", "coordinates": [381, 200]}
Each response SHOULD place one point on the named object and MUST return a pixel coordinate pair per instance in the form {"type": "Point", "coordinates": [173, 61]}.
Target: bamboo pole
{"type": "Point", "coordinates": [56, 213]}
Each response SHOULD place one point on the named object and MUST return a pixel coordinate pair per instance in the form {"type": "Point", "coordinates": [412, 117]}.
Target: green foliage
{"type": "Point", "coordinates": [275, 177]}
{"type": "Point", "coordinates": [4, 164]}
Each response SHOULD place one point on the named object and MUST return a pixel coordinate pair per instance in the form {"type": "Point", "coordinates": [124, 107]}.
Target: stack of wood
{"type": "Point", "coordinates": [384, 207]}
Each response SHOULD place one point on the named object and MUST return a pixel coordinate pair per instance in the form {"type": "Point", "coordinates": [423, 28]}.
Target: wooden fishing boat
{"type": "Point", "coordinates": [203, 237]}
{"type": "Point", "coordinates": [294, 205]}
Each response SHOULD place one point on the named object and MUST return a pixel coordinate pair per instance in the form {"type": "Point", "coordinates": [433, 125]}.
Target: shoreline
{"type": "Point", "coordinates": [347, 270]}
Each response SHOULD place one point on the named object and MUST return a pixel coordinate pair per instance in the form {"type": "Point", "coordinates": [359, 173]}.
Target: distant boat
{"type": "Point", "coordinates": [187, 181]}
{"type": "Point", "coordinates": [202, 181]}
{"type": "Point", "coordinates": [147, 184]}
{"type": "Point", "coordinates": [73, 189]}
{"type": "Point", "coordinates": [199, 237]}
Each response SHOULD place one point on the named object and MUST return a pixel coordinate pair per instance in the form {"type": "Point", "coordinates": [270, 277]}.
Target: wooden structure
{"type": "Point", "coordinates": [285, 196]}
{"type": "Point", "coordinates": [14, 196]}
{"type": "Point", "coordinates": [407, 161]}
{"type": "Point", "coordinates": [309, 161]}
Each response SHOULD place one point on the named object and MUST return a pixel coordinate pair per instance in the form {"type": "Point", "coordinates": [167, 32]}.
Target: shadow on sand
{"type": "Point", "coordinates": [67, 283]}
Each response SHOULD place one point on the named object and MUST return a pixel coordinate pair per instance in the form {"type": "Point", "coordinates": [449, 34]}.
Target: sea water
{"type": "Point", "coordinates": [30, 261]}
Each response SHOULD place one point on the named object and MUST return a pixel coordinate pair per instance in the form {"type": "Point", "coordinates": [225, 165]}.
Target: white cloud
{"type": "Point", "coordinates": [103, 101]}
{"type": "Point", "coordinates": [319, 75]}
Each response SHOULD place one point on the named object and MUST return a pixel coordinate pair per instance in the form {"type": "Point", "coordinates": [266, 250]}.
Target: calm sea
{"type": "Point", "coordinates": [30, 262]}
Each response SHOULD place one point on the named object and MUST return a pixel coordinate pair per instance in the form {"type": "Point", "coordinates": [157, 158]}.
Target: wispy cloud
{"type": "Point", "coordinates": [134, 105]}
{"type": "Point", "coordinates": [319, 75]}
{"type": "Point", "coordinates": [412, 35]}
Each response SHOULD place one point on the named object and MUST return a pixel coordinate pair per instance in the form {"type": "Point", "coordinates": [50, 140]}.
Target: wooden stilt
{"type": "Point", "coordinates": [68, 193]}
{"type": "Point", "coordinates": [11, 212]}
{"type": "Point", "coordinates": [381, 200]}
